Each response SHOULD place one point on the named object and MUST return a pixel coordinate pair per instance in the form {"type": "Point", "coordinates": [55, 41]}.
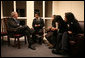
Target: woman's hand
{"type": "Point", "coordinates": [72, 42]}
{"type": "Point", "coordinates": [56, 29]}
{"type": "Point", "coordinates": [53, 29]}
{"type": "Point", "coordinates": [49, 27]}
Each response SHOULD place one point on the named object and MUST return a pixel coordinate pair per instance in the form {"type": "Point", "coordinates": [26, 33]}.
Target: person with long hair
{"type": "Point", "coordinates": [73, 28]}
{"type": "Point", "coordinates": [51, 33]}
{"type": "Point", "coordinates": [61, 34]}
{"type": "Point", "coordinates": [72, 22]}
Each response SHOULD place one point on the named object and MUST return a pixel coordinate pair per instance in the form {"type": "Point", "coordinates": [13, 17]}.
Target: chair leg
{"type": "Point", "coordinates": [25, 40]}
{"type": "Point", "coordinates": [2, 40]}
{"type": "Point", "coordinates": [8, 41]}
{"type": "Point", "coordinates": [18, 43]}
{"type": "Point", "coordinates": [15, 42]}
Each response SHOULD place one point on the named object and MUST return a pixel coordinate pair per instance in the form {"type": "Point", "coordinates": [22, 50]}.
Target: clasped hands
{"type": "Point", "coordinates": [37, 25]}
{"type": "Point", "coordinates": [52, 28]}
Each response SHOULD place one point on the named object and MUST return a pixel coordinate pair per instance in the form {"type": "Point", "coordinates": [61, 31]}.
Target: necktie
{"type": "Point", "coordinates": [17, 21]}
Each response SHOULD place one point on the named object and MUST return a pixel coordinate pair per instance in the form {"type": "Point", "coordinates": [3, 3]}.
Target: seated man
{"type": "Point", "coordinates": [15, 27]}
{"type": "Point", "coordinates": [38, 24]}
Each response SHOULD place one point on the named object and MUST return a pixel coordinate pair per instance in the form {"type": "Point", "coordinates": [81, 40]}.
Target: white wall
{"type": "Point", "coordinates": [30, 12]}
{"type": "Point", "coordinates": [55, 7]}
{"type": "Point", "coordinates": [76, 7]}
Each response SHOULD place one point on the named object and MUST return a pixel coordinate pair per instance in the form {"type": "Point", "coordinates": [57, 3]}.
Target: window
{"type": "Point", "coordinates": [7, 8]}
{"type": "Point", "coordinates": [48, 23]}
{"type": "Point", "coordinates": [48, 14]}
{"type": "Point", "coordinates": [48, 8]}
{"type": "Point", "coordinates": [21, 8]}
{"type": "Point", "coordinates": [45, 10]}
{"type": "Point", "coordinates": [38, 7]}
{"type": "Point", "coordinates": [43, 7]}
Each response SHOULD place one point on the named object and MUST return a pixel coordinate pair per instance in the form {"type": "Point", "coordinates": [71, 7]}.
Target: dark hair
{"type": "Point", "coordinates": [59, 19]}
{"type": "Point", "coordinates": [54, 16]}
{"type": "Point", "coordinates": [37, 13]}
{"type": "Point", "coordinates": [70, 17]}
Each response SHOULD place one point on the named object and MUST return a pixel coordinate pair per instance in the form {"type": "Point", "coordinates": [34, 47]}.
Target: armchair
{"type": "Point", "coordinates": [12, 34]}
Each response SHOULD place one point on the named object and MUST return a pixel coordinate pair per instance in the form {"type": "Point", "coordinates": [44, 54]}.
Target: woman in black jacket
{"type": "Point", "coordinates": [61, 34]}
{"type": "Point", "coordinates": [73, 25]}
{"type": "Point", "coordinates": [51, 33]}
{"type": "Point", "coordinates": [73, 28]}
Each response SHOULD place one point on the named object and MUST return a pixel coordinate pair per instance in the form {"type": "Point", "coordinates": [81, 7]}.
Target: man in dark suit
{"type": "Point", "coordinates": [38, 25]}
{"type": "Point", "coordinates": [15, 27]}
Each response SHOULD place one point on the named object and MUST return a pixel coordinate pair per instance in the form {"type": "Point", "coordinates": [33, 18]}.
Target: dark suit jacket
{"type": "Point", "coordinates": [12, 25]}
{"type": "Point", "coordinates": [35, 22]}
{"type": "Point", "coordinates": [74, 27]}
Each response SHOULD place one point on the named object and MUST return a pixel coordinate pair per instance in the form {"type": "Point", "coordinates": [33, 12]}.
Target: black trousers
{"type": "Point", "coordinates": [38, 35]}
{"type": "Point", "coordinates": [26, 31]}
{"type": "Point", "coordinates": [62, 41]}
{"type": "Point", "coordinates": [52, 37]}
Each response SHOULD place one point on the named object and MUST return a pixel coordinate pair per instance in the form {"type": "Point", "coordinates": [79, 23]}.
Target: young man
{"type": "Point", "coordinates": [38, 25]}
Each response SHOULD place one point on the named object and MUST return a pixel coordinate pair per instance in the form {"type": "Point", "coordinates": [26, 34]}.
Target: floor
{"type": "Point", "coordinates": [41, 51]}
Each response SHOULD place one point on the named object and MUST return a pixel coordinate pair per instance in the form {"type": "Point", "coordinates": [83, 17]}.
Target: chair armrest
{"type": "Point", "coordinates": [80, 34]}
{"type": "Point", "coordinates": [72, 42]}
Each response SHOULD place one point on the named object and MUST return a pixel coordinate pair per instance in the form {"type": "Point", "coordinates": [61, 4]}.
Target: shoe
{"type": "Point", "coordinates": [40, 43]}
{"type": "Point", "coordinates": [63, 52]}
{"type": "Point", "coordinates": [55, 52]}
{"type": "Point", "coordinates": [33, 48]}
{"type": "Point", "coordinates": [50, 47]}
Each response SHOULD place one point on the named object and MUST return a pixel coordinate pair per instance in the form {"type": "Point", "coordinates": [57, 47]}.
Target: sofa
{"type": "Point", "coordinates": [77, 45]}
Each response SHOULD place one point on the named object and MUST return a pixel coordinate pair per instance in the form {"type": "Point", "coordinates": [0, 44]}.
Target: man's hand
{"type": "Point", "coordinates": [20, 25]}
{"type": "Point", "coordinates": [36, 25]}
{"type": "Point", "coordinates": [70, 32]}
{"type": "Point", "coordinates": [32, 28]}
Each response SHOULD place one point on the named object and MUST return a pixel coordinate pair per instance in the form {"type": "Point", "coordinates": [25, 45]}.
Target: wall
{"type": "Point", "coordinates": [55, 7]}
{"type": "Point", "coordinates": [76, 7]}
{"type": "Point", "coordinates": [21, 5]}
{"type": "Point", "coordinates": [30, 12]}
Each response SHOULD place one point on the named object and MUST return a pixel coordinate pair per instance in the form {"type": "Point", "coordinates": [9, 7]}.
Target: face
{"type": "Point", "coordinates": [36, 15]}
{"type": "Point", "coordinates": [16, 15]}
{"type": "Point", "coordinates": [65, 19]}
{"type": "Point", "coordinates": [52, 17]}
